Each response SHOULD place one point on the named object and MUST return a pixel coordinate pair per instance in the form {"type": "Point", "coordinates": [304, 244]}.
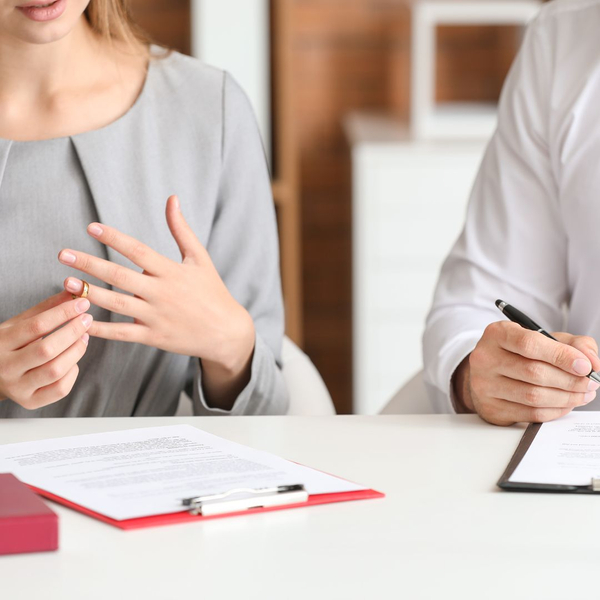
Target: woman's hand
{"type": "Point", "coordinates": [184, 308]}
{"type": "Point", "coordinates": [515, 375]}
{"type": "Point", "coordinates": [40, 349]}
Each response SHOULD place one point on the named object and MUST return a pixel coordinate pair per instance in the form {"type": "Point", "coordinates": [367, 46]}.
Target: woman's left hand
{"type": "Point", "coordinates": [184, 308]}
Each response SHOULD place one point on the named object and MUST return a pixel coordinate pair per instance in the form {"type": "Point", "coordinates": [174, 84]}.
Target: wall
{"type": "Point", "coordinates": [354, 55]}
{"type": "Point", "coordinates": [167, 20]}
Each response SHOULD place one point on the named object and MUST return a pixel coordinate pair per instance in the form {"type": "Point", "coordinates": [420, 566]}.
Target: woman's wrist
{"type": "Point", "coordinates": [237, 344]}
{"type": "Point", "coordinates": [226, 376]}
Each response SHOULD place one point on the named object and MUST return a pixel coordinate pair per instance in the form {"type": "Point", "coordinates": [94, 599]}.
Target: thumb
{"type": "Point", "coordinates": [586, 345]}
{"type": "Point", "coordinates": [589, 347]}
{"type": "Point", "coordinates": [188, 243]}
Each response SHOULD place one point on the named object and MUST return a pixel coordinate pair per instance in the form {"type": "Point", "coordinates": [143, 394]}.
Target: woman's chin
{"type": "Point", "coordinates": [41, 33]}
{"type": "Point", "coordinates": [36, 30]}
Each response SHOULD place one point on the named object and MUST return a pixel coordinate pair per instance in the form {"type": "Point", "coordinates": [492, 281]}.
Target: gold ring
{"type": "Point", "coordinates": [85, 292]}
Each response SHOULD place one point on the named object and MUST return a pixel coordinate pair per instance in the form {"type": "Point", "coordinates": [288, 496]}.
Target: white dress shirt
{"type": "Point", "coordinates": [532, 232]}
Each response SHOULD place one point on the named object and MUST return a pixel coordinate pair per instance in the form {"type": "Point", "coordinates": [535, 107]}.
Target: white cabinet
{"type": "Point", "coordinates": [409, 202]}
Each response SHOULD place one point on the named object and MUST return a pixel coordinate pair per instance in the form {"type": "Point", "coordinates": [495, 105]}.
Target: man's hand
{"type": "Point", "coordinates": [515, 375]}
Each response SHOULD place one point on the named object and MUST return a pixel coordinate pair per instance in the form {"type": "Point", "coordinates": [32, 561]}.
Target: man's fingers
{"type": "Point", "coordinates": [45, 350]}
{"type": "Point", "coordinates": [43, 306]}
{"type": "Point", "coordinates": [139, 254]}
{"type": "Point", "coordinates": [535, 396]}
{"type": "Point", "coordinates": [586, 345]}
{"type": "Point", "coordinates": [533, 345]}
{"type": "Point", "coordinates": [541, 374]}
{"type": "Point", "coordinates": [114, 302]}
{"type": "Point", "coordinates": [504, 413]}
{"type": "Point", "coordinates": [38, 326]}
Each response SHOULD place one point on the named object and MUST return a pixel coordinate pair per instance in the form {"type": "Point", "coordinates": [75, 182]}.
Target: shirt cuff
{"type": "Point", "coordinates": [265, 394]}
{"type": "Point", "coordinates": [440, 387]}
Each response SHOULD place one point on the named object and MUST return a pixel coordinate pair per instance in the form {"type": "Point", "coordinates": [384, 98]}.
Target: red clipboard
{"type": "Point", "coordinates": [186, 517]}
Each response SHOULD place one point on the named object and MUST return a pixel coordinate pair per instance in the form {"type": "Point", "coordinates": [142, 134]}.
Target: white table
{"type": "Point", "coordinates": [444, 530]}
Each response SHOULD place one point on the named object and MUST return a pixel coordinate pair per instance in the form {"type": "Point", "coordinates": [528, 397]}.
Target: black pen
{"type": "Point", "coordinates": [516, 316]}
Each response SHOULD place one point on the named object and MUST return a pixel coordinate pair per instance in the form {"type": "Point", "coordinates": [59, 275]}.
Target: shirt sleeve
{"type": "Point", "coordinates": [513, 245]}
{"type": "Point", "coordinates": [244, 248]}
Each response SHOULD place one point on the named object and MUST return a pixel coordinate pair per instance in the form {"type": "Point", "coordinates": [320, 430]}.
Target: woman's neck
{"type": "Point", "coordinates": [31, 74]}
{"type": "Point", "coordinates": [70, 86]}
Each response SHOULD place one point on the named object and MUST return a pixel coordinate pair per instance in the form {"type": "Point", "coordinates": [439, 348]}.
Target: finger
{"type": "Point", "coordinates": [121, 304]}
{"type": "Point", "coordinates": [138, 253]}
{"type": "Point", "coordinates": [43, 306]}
{"type": "Point", "coordinates": [56, 369]}
{"type": "Point", "coordinates": [55, 391]}
{"type": "Point", "coordinates": [38, 326]}
{"type": "Point", "coordinates": [531, 344]}
{"type": "Point", "coordinates": [45, 350]}
{"type": "Point", "coordinates": [115, 275]}
{"type": "Point", "coordinates": [585, 344]}
{"type": "Point", "coordinates": [189, 245]}
{"type": "Point", "coordinates": [536, 396]}
{"type": "Point", "coordinates": [505, 413]}
{"type": "Point", "coordinates": [120, 332]}
{"type": "Point", "coordinates": [542, 374]}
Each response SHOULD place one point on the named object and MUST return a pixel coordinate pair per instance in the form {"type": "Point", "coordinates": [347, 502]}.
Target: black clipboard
{"type": "Point", "coordinates": [511, 486]}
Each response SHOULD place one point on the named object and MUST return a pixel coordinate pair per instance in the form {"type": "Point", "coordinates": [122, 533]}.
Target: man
{"type": "Point", "coordinates": [531, 238]}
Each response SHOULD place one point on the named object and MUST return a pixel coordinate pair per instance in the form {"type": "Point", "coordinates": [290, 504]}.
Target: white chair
{"type": "Point", "coordinates": [308, 393]}
{"type": "Point", "coordinates": [412, 399]}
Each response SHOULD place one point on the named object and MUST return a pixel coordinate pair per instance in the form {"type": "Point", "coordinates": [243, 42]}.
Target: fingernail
{"type": "Point", "coordinates": [82, 305]}
{"type": "Point", "coordinates": [67, 258]}
{"type": "Point", "coordinates": [593, 386]}
{"type": "Point", "coordinates": [87, 320]}
{"type": "Point", "coordinates": [95, 230]}
{"type": "Point", "coordinates": [589, 397]}
{"type": "Point", "coordinates": [74, 285]}
{"type": "Point", "coordinates": [85, 338]}
{"type": "Point", "coordinates": [176, 202]}
{"type": "Point", "coordinates": [582, 366]}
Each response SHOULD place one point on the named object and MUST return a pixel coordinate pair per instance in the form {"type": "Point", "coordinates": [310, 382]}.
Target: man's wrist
{"type": "Point", "coordinates": [462, 398]}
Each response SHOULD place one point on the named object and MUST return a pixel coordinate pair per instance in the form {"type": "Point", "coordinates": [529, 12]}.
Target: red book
{"type": "Point", "coordinates": [26, 523]}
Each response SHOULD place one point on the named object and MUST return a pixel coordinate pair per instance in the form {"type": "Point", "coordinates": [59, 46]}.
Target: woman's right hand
{"type": "Point", "coordinates": [40, 349]}
{"type": "Point", "coordinates": [515, 375]}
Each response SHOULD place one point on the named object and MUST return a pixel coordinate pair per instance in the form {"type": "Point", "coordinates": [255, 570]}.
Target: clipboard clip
{"type": "Point", "coordinates": [246, 498]}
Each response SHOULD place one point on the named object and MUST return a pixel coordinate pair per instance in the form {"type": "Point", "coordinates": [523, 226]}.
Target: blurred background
{"type": "Point", "coordinates": [375, 115]}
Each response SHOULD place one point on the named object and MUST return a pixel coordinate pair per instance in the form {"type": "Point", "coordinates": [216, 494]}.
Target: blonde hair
{"type": "Point", "coordinates": [112, 20]}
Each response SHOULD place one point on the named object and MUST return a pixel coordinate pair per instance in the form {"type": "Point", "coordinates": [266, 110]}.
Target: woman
{"type": "Point", "coordinates": [97, 129]}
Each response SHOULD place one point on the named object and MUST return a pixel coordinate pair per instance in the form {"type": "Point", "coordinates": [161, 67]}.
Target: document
{"type": "Point", "coordinates": [144, 472]}
{"type": "Point", "coordinates": [564, 452]}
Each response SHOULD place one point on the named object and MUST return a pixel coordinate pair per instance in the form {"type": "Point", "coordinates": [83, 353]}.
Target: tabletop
{"type": "Point", "coordinates": [444, 530]}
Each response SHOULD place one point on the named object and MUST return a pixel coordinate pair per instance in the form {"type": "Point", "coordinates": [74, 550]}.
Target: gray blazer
{"type": "Point", "coordinates": [191, 133]}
